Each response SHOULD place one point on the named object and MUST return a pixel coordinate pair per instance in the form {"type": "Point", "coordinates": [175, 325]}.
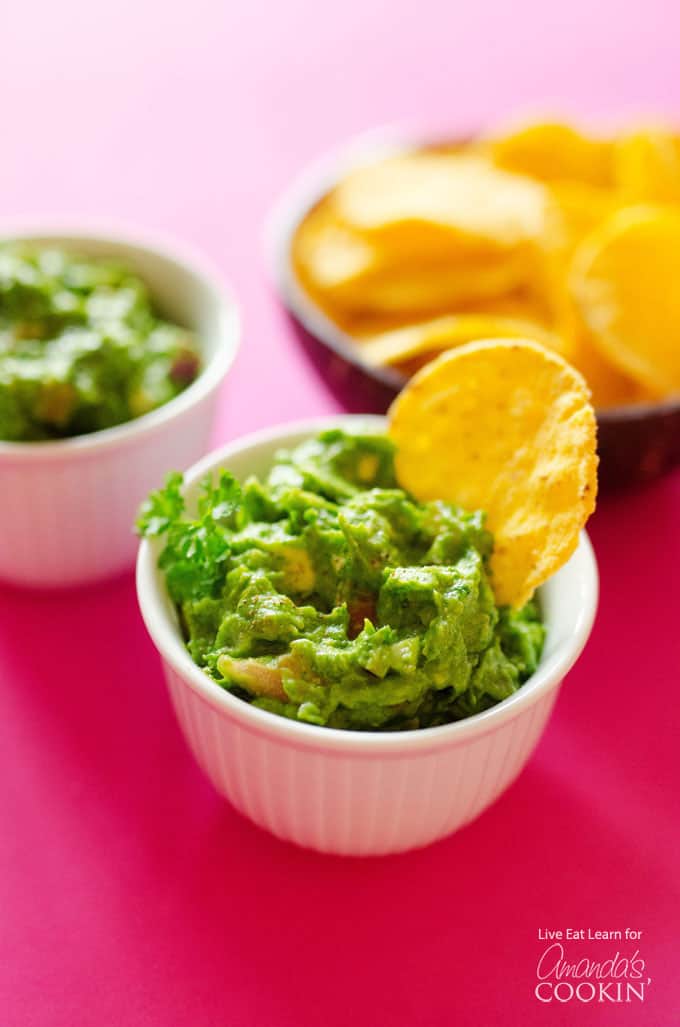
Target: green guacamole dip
{"type": "Point", "coordinates": [329, 595]}
{"type": "Point", "coordinates": [81, 347]}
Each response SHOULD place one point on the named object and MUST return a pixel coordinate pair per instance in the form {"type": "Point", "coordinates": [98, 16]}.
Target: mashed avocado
{"type": "Point", "coordinates": [81, 347]}
{"type": "Point", "coordinates": [329, 595]}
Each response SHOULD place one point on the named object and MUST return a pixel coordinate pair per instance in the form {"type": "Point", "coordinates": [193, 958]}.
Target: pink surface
{"type": "Point", "coordinates": [129, 893]}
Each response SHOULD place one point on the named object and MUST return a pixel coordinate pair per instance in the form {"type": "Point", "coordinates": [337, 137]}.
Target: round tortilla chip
{"type": "Point", "coordinates": [507, 427]}
{"type": "Point", "coordinates": [624, 281]}
{"type": "Point", "coordinates": [430, 290]}
{"type": "Point", "coordinates": [327, 255]}
{"type": "Point", "coordinates": [574, 211]}
{"type": "Point", "coordinates": [526, 303]}
{"type": "Point", "coordinates": [429, 338]}
{"type": "Point", "coordinates": [347, 274]}
{"type": "Point", "coordinates": [553, 152]}
{"type": "Point", "coordinates": [647, 166]}
{"type": "Point", "coordinates": [481, 208]}
{"type": "Point", "coordinates": [609, 387]}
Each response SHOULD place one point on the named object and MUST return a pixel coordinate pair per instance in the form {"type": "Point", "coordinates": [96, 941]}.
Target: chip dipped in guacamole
{"type": "Point", "coordinates": [329, 595]}
{"type": "Point", "coordinates": [82, 347]}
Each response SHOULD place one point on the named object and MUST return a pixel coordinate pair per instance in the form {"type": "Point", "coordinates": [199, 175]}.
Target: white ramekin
{"type": "Point", "coordinates": [351, 792]}
{"type": "Point", "coordinates": [67, 507]}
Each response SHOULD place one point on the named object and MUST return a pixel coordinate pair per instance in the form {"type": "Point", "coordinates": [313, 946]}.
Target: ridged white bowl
{"type": "Point", "coordinates": [352, 792]}
{"type": "Point", "coordinates": [67, 507]}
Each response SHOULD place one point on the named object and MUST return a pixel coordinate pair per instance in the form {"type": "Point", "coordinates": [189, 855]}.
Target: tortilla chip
{"type": "Point", "coordinates": [429, 338]}
{"type": "Point", "coordinates": [505, 426]}
{"type": "Point", "coordinates": [432, 290]}
{"type": "Point", "coordinates": [553, 152]}
{"type": "Point", "coordinates": [609, 386]}
{"type": "Point", "coordinates": [348, 275]}
{"type": "Point", "coordinates": [524, 303]}
{"type": "Point", "coordinates": [624, 281]}
{"type": "Point", "coordinates": [327, 255]}
{"type": "Point", "coordinates": [426, 202]}
{"type": "Point", "coordinates": [574, 210]}
{"type": "Point", "coordinates": [647, 166]}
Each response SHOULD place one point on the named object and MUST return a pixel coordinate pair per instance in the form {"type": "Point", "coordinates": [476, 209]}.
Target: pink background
{"type": "Point", "coordinates": [129, 893]}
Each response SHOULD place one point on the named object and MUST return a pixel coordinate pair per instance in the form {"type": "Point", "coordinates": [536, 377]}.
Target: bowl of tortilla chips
{"type": "Point", "coordinates": [396, 249]}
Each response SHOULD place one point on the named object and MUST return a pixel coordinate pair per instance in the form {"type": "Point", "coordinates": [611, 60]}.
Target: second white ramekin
{"type": "Point", "coordinates": [351, 792]}
{"type": "Point", "coordinates": [67, 507]}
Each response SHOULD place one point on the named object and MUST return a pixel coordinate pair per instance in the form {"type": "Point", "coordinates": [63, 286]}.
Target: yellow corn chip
{"type": "Point", "coordinates": [552, 152]}
{"type": "Point", "coordinates": [505, 426]}
{"type": "Point", "coordinates": [428, 338]}
{"type": "Point", "coordinates": [346, 274]}
{"type": "Point", "coordinates": [624, 281]}
{"type": "Point", "coordinates": [525, 304]}
{"type": "Point", "coordinates": [573, 212]}
{"type": "Point", "coordinates": [429, 201]}
{"type": "Point", "coordinates": [609, 386]}
{"type": "Point", "coordinates": [431, 290]}
{"type": "Point", "coordinates": [647, 166]}
{"type": "Point", "coordinates": [326, 254]}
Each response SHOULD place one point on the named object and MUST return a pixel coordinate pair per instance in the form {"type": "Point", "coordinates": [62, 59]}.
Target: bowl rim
{"type": "Point", "coordinates": [187, 260]}
{"type": "Point", "coordinates": [154, 603]}
{"type": "Point", "coordinates": [304, 192]}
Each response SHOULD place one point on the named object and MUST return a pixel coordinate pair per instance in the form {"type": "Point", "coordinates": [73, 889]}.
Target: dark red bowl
{"type": "Point", "coordinates": [638, 443]}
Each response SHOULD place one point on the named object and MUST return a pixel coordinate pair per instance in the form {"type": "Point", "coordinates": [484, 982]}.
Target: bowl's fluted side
{"type": "Point", "coordinates": [68, 506]}
{"type": "Point", "coordinates": [356, 803]}
{"type": "Point", "coordinates": [69, 520]}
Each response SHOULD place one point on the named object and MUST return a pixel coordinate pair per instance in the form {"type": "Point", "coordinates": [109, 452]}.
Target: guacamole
{"type": "Point", "coordinates": [327, 594]}
{"type": "Point", "coordinates": [81, 346]}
